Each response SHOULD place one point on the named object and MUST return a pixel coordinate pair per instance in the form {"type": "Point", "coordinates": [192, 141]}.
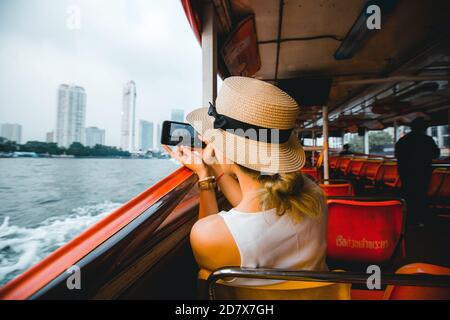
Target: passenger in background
{"type": "Point", "coordinates": [414, 153]}
{"type": "Point", "coordinates": [346, 150]}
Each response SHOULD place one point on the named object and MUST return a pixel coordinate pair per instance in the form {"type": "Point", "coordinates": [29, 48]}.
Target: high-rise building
{"type": "Point", "coordinates": [12, 132]}
{"type": "Point", "coordinates": [71, 115]}
{"type": "Point", "coordinates": [50, 137]}
{"type": "Point", "coordinates": [158, 136]}
{"type": "Point", "coordinates": [128, 117]}
{"type": "Point", "coordinates": [94, 136]}
{"type": "Point", "coordinates": [177, 115]}
{"type": "Point", "coordinates": [145, 135]}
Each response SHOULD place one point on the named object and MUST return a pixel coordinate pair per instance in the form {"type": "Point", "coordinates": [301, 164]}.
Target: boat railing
{"type": "Point", "coordinates": [421, 280]}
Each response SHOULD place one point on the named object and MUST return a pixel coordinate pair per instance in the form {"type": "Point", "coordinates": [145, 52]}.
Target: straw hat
{"type": "Point", "coordinates": [252, 124]}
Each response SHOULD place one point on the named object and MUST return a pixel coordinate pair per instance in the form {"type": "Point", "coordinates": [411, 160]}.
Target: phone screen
{"type": "Point", "coordinates": [179, 133]}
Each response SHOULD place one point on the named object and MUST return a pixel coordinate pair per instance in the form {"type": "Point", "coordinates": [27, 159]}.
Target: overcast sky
{"type": "Point", "coordinates": [149, 42]}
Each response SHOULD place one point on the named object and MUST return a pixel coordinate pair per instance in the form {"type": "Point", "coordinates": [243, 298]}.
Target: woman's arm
{"type": "Point", "coordinates": [193, 160]}
{"type": "Point", "coordinates": [228, 185]}
{"type": "Point", "coordinates": [208, 201]}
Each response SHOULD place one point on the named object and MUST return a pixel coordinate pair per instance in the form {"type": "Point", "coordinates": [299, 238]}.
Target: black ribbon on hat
{"type": "Point", "coordinates": [247, 130]}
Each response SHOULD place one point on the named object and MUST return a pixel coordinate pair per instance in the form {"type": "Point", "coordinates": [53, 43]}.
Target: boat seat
{"type": "Point", "coordinates": [390, 177]}
{"type": "Point", "coordinates": [287, 290]}
{"type": "Point", "coordinates": [364, 230]}
{"type": "Point", "coordinates": [337, 190]}
{"type": "Point", "coordinates": [437, 177]}
{"type": "Point", "coordinates": [314, 173]}
{"type": "Point", "coordinates": [371, 169]}
{"type": "Point", "coordinates": [440, 180]}
{"type": "Point", "coordinates": [343, 165]}
{"type": "Point", "coordinates": [415, 292]}
{"type": "Point", "coordinates": [355, 166]}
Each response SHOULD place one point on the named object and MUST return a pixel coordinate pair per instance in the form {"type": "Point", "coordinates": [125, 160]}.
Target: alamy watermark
{"type": "Point", "coordinates": [373, 21]}
{"type": "Point", "coordinates": [73, 282]}
{"type": "Point", "coordinates": [373, 282]}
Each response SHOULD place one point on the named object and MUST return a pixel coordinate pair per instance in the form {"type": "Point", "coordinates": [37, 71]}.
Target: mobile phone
{"type": "Point", "coordinates": [180, 134]}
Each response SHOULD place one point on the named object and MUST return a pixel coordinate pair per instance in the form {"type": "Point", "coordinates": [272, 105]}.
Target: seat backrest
{"type": "Point", "coordinates": [419, 293]}
{"type": "Point", "coordinates": [437, 177]}
{"type": "Point", "coordinates": [371, 169]}
{"type": "Point", "coordinates": [333, 162]}
{"type": "Point", "coordinates": [286, 290]}
{"type": "Point", "coordinates": [343, 165]}
{"type": "Point", "coordinates": [390, 172]}
{"type": "Point", "coordinates": [364, 231]}
{"type": "Point", "coordinates": [338, 190]}
{"type": "Point", "coordinates": [312, 172]}
{"type": "Point", "coordinates": [355, 166]}
{"type": "Point", "coordinates": [444, 189]}
{"type": "Point", "coordinates": [291, 290]}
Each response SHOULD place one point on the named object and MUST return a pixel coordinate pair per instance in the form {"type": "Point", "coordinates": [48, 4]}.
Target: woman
{"type": "Point", "coordinates": [278, 218]}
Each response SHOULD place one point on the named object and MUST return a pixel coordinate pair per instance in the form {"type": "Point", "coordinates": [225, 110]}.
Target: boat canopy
{"type": "Point", "coordinates": [324, 53]}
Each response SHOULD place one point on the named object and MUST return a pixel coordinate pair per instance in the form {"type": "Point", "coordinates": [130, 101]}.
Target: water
{"type": "Point", "coordinates": [45, 202]}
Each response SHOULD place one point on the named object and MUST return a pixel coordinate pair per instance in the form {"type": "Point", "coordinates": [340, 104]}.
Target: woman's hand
{"type": "Point", "coordinates": [209, 157]}
{"type": "Point", "coordinates": [190, 158]}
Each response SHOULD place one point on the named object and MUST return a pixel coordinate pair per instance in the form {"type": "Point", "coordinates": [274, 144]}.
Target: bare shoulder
{"type": "Point", "coordinates": [209, 231]}
{"type": "Point", "coordinates": [212, 243]}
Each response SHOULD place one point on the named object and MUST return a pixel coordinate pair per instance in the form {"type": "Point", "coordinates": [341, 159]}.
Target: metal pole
{"type": "Point", "coordinates": [313, 135]}
{"type": "Point", "coordinates": [366, 141]}
{"type": "Point", "coordinates": [395, 131]}
{"type": "Point", "coordinates": [209, 55]}
{"type": "Point", "coordinates": [326, 169]}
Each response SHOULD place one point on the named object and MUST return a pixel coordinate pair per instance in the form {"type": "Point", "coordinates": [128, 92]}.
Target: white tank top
{"type": "Point", "coordinates": [267, 240]}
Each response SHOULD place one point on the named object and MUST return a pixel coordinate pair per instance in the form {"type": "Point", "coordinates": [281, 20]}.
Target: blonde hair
{"type": "Point", "coordinates": [288, 192]}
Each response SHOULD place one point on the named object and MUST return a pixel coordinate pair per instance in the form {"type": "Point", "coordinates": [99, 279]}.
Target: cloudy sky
{"type": "Point", "coordinates": [41, 47]}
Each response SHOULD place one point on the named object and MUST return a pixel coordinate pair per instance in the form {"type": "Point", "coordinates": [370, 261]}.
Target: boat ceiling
{"type": "Point", "coordinates": [298, 39]}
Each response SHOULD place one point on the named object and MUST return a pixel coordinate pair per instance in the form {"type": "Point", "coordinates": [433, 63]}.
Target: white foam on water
{"type": "Point", "coordinates": [22, 247]}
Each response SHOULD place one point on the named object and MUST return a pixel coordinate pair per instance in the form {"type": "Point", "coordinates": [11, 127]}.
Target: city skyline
{"type": "Point", "coordinates": [131, 40]}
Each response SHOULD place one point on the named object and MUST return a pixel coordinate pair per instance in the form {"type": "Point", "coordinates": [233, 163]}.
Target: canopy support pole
{"type": "Point", "coordinates": [209, 55]}
{"type": "Point", "coordinates": [366, 141]}
{"type": "Point", "coordinates": [314, 141]}
{"type": "Point", "coordinates": [326, 169]}
{"type": "Point", "coordinates": [395, 132]}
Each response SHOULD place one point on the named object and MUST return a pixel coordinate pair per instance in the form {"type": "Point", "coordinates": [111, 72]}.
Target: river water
{"type": "Point", "coordinates": [45, 202]}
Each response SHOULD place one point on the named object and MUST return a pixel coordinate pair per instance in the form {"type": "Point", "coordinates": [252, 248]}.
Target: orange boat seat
{"type": "Point", "coordinates": [390, 177]}
{"type": "Point", "coordinates": [442, 197]}
{"type": "Point", "coordinates": [286, 290]}
{"type": "Point", "coordinates": [364, 231]}
{"type": "Point", "coordinates": [338, 190]}
{"type": "Point", "coordinates": [419, 293]}
{"type": "Point", "coordinates": [437, 178]}
{"type": "Point", "coordinates": [343, 164]}
{"type": "Point", "coordinates": [355, 167]}
{"type": "Point", "coordinates": [333, 162]}
{"type": "Point", "coordinates": [314, 173]}
{"type": "Point", "coordinates": [370, 170]}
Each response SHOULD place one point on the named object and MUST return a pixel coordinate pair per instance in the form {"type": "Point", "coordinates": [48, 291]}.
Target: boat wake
{"type": "Point", "coordinates": [22, 247]}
